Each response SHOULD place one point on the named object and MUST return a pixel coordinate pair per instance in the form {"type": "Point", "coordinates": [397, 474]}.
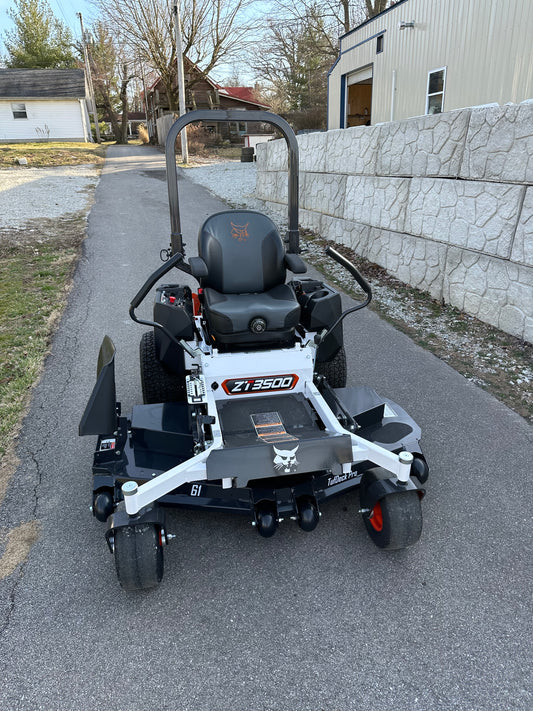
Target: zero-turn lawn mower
{"type": "Point", "coordinates": [246, 407]}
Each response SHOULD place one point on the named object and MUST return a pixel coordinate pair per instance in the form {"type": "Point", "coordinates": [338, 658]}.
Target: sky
{"type": "Point", "coordinates": [64, 10]}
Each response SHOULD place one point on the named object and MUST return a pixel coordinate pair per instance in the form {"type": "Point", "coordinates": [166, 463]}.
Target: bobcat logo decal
{"type": "Point", "coordinates": [285, 459]}
{"type": "Point", "coordinates": [239, 232]}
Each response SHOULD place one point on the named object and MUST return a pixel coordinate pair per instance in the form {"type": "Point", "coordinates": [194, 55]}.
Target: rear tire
{"type": "Point", "coordinates": [158, 385]}
{"type": "Point", "coordinates": [396, 520]}
{"type": "Point", "coordinates": [138, 556]}
{"type": "Point", "coordinates": [334, 370]}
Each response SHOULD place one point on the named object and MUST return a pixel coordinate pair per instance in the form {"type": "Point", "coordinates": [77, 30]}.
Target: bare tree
{"type": "Point", "coordinates": [295, 57]}
{"type": "Point", "coordinates": [374, 7]}
{"type": "Point", "coordinates": [213, 30]}
{"type": "Point", "coordinates": [112, 71]}
{"type": "Point", "coordinates": [336, 16]}
{"type": "Point", "coordinates": [299, 46]}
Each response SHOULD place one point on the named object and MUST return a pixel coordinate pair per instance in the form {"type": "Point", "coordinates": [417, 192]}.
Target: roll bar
{"type": "Point", "coordinates": [218, 115]}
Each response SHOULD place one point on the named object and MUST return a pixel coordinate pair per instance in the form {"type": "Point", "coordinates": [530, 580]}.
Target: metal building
{"type": "Point", "coordinates": [428, 56]}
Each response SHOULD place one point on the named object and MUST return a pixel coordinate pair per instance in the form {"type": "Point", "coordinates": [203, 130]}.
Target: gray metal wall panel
{"type": "Point", "coordinates": [485, 45]}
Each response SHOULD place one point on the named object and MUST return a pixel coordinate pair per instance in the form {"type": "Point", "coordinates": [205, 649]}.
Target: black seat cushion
{"type": "Point", "coordinates": [245, 279]}
{"type": "Point", "coordinates": [232, 313]}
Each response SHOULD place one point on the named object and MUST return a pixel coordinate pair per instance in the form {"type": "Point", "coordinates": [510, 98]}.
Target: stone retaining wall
{"type": "Point", "coordinates": [443, 202]}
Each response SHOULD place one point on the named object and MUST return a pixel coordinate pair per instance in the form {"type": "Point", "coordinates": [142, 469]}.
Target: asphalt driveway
{"type": "Point", "coordinates": [297, 622]}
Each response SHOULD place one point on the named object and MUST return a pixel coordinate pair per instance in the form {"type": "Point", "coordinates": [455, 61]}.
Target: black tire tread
{"type": "Point", "coordinates": [334, 370]}
{"type": "Point", "coordinates": [402, 516]}
{"type": "Point", "coordinates": [158, 385]}
{"type": "Point", "coordinates": [138, 556]}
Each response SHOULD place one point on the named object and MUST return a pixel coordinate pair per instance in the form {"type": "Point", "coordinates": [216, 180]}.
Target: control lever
{"type": "Point", "coordinates": [365, 286]}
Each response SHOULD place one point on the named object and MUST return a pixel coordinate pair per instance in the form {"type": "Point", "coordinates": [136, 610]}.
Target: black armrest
{"type": "Point", "coordinates": [295, 263]}
{"type": "Point", "coordinates": [198, 267]}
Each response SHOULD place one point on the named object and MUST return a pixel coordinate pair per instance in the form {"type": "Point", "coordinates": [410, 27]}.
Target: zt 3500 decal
{"type": "Point", "coordinates": [262, 384]}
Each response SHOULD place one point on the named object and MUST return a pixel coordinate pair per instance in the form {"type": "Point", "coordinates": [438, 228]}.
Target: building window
{"type": "Point", "coordinates": [19, 111]}
{"type": "Point", "coordinates": [435, 91]}
{"type": "Point", "coordinates": [379, 44]}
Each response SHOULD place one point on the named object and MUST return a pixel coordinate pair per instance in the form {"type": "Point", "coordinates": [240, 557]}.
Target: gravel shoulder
{"type": "Point", "coordinates": [490, 358]}
{"type": "Point", "coordinates": [49, 193]}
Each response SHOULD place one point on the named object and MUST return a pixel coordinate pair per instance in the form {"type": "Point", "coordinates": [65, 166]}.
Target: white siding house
{"type": "Point", "coordinates": [428, 56]}
{"type": "Point", "coordinates": [43, 105]}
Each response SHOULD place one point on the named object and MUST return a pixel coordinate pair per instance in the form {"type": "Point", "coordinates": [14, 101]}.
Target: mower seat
{"type": "Point", "coordinates": [247, 302]}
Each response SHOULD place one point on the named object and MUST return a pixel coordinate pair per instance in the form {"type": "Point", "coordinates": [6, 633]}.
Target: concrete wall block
{"type": "Point", "coordinates": [271, 185]}
{"type": "Point", "coordinates": [499, 144]}
{"type": "Point", "coordinates": [411, 259]}
{"type": "Point", "coordinates": [479, 216]}
{"type": "Point", "coordinates": [310, 220]}
{"type": "Point", "coordinates": [352, 150]}
{"type": "Point", "coordinates": [281, 188]}
{"type": "Point", "coordinates": [323, 192]}
{"type": "Point", "coordinates": [351, 234]}
{"type": "Point", "coordinates": [272, 155]}
{"type": "Point", "coordinates": [262, 185]}
{"type": "Point", "coordinates": [378, 202]}
{"type": "Point", "coordinates": [492, 289]}
{"type": "Point", "coordinates": [313, 152]}
{"type": "Point", "coordinates": [522, 251]}
{"type": "Point", "coordinates": [278, 212]}
{"type": "Point", "coordinates": [261, 151]}
{"type": "Point", "coordinates": [424, 146]}
{"type": "Point", "coordinates": [462, 281]}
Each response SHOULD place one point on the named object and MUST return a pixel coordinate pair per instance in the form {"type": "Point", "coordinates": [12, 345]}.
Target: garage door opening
{"type": "Point", "coordinates": [359, 98]}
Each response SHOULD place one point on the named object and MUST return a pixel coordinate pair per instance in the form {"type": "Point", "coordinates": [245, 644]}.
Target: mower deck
{"type": "Point", "coordinates": [158, 437]}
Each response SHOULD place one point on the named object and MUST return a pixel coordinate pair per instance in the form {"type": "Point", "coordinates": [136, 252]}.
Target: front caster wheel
{"type": "Point", "coordinates": [395, 522]}
{"type": "Point", "coordinates": [138, 556]}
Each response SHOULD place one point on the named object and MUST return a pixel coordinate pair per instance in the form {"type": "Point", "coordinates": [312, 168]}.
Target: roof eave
{"type": "Point", "coordinates": [42, 98]}
{"type": "Point", "coordinates": [371, 19]}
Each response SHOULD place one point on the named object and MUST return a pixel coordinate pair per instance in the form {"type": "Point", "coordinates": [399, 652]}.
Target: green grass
{"type": "Point", "coordinates": [34, 283]}
{"type": "Point", "coordinates": [46, 155]}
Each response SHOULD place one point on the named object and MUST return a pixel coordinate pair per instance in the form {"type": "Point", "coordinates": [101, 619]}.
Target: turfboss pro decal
{"type": "Point", "coordinates": [266, 383]}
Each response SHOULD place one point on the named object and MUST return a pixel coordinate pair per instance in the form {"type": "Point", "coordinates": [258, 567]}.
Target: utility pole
{"type": "Point", "coordinates": [145, 96]}
{"type": "Point", "coordinates": [181, 82]}
{"type": "Point", "coordinates": [89, 79]}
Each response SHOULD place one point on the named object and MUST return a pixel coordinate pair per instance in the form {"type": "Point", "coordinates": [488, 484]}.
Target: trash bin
{"type": "Point", "coordinates": [247, 154]}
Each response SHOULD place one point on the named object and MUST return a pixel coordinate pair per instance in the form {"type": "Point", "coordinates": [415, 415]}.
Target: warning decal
{"type": "Point", "coordinates": [270, 428]}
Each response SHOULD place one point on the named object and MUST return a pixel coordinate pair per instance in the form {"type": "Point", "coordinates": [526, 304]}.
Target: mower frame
{"type": "Point", "coordinates": [345, 432]}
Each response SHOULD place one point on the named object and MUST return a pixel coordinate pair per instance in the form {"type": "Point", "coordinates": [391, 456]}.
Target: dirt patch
{"type": "Point", "coordinates": [68, 231]}
{"type": "Point", "coordinates": [18, 543]}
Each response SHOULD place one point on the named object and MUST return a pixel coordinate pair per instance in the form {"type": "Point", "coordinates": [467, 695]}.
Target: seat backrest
{"type": "Point", "coordinates": [243, 251]}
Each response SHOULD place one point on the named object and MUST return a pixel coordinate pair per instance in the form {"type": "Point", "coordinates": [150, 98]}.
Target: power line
{"type": "Point", "coordinates": [63, 13]}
